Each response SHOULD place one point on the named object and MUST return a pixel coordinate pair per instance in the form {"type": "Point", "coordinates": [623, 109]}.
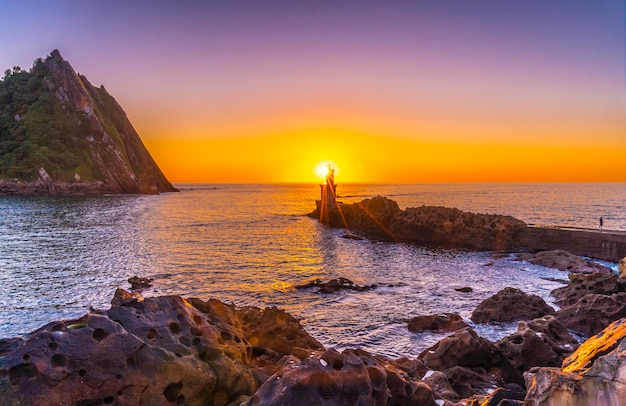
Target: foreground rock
{"type": "Point", "coordinates": [593, 375]}
{"type": "Point", "coordinates": [510, 304]}
{"type": "Point", "coordinates": [353, 377]}
{"type": "Point", "coordinates": [145, 352]}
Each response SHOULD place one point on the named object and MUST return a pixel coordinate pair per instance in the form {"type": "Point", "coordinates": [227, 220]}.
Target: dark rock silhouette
{"type": "Point", "coordinates": [137, 283]}
{"type": "Point", "coordinates": [334, 285]}
{"type": "Point", "coordinates": [437, 322]}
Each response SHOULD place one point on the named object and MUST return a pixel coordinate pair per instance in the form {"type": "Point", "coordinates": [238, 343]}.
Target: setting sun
{"type": "Point", "coordinates": [321, 169]}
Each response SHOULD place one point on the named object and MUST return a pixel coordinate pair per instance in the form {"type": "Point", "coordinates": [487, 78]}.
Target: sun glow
{"type": "Point", "coordinates": [321, 169]}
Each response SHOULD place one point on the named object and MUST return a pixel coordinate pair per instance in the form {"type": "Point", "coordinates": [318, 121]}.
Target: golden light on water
{"type": "Point", "coordinates": [321, 169]}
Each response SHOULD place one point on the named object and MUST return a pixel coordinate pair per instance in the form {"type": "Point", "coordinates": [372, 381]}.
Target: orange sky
{"type": "Point", "coordinates": [366, 158]}
{"type": "Point", "coordinates": [424, 91]}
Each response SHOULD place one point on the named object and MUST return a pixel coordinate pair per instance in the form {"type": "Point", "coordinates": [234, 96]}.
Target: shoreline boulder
{"type": "Point", "coordinates": [510, 304]}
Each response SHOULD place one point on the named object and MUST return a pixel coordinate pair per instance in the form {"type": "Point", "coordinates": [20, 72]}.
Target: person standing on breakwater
{"type": "Point", "coordinates": [601, 223]}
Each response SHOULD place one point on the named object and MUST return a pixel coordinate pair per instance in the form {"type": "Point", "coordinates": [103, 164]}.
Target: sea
{"type": "Point", "coordinates": [251, 244]}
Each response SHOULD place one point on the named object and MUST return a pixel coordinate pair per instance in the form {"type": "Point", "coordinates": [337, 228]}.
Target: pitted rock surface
{"type": "Point", "coordinates": [353, 377]}
{"type": "Point", "coordinates": [147, 351]}
{"type": "Point", "coordinates": [539, 342]}
{"type": "Point", "coordinates": [592, 313]}
{"type": "Point", "coordinates": [583, 284]}
{"type": "Point", "coordinates": [510, 304]}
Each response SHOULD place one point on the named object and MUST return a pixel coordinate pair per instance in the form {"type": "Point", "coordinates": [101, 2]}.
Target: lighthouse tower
{"type": "Point", "coordinates": [329, 189]}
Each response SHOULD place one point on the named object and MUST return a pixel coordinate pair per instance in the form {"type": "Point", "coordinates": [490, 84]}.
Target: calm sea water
{"type": "Point", "coordinates": [248, 244]}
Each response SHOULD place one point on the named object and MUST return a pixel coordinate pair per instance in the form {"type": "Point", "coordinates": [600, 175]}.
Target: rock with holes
{"type": "Point", "coordinates": [539, 342]}
{"type": "Point", "coordinates": [94, 360]}
{"type": "Point", "coordinates": [437, 322]}
{"type": "Point", "coordinates": [592, 313]}
{"type": "Point", "coordinates": [583, 284]}
{"type": "Point", "coordinates": [273, 334]}
{"type": "Point", "coordinates": [510, 304]}
{"type": "Point", "coordinates": [353, 377]}
{"type": "Point", "coordinates": [147, 351]}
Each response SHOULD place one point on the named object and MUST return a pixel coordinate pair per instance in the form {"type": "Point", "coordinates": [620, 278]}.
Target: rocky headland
{"type": "Point", "coordinates": [60, 135]}
{"type": "Point", "coordinates": [382, 219]}
{"type": "Point", "coordinates": [172, 350]}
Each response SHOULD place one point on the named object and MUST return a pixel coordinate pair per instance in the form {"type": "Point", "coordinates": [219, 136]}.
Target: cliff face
{"type": "Point", "coordinates": [61, 135]}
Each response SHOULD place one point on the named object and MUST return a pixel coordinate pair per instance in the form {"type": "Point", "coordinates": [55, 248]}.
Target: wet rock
{"type": "Point", "coordinates": [465, 289]}
{"type": "Point", "coordinates": [137, 283]}
{"type": "Point", "coordinates": [437, 322]}
{"type": "Point", "coordinates": [510, 304]}
{"type": "Point", "coordinates": [583, 284]}
{"type": "Point", "coordinates": [539, 342]}
{"type": "Point", "coordinates": [334, 285]}
{"type": "Point", "coordinates": [353, 377]}
{"type": "Point", "coordinates": [565, 261]}
{"type": "Point", "coordinates": [592, 313]}
{"type": "Point", "coordinates": [592, 375]}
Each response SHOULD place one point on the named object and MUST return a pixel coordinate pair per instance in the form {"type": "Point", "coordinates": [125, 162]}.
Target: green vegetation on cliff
{"type": "Point", "coordinates": [61, 135]}
{"type": "Point", "coordinates": [38, 128]}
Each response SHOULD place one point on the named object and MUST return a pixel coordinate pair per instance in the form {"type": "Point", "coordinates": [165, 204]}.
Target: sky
{"type": "Point", "coordinates": [423, 91]}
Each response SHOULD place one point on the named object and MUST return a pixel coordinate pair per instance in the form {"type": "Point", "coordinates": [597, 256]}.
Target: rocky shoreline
{"type": "Point", "coordinates": [173, 350]}
{"type": "Point", "coordinates": [382, 219]}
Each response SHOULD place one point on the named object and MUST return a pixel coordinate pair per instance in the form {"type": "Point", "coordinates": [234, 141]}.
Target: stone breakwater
{"type": "Point", "coordinates": [172, 350]}
{"type": "Point", "coordinates": [382, 218]}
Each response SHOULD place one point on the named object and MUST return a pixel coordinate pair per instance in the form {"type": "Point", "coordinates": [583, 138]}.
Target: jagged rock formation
{"type": "Point", "coordinates": [595, 374]}
{"type": "Point", "coordinates": [61, 135]}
